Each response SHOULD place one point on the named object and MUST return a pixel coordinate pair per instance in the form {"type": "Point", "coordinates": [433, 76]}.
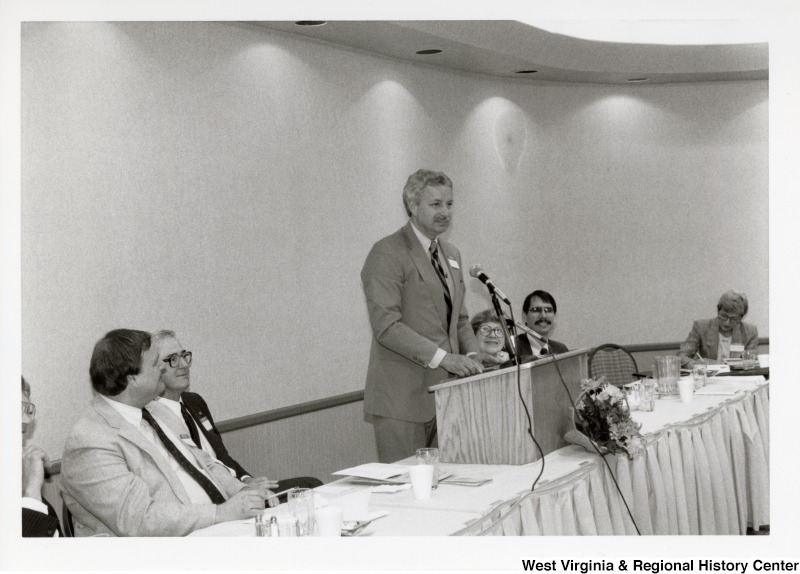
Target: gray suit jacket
{"type": "Point", "coordinates": [408, 314]}
{"type": "Point", "coordinates": [704, 337]}
{"type": "Point", "coordinates": [117, 483]}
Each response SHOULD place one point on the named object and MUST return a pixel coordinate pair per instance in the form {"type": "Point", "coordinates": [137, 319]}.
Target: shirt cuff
{"type": "Point", "coordinates": [33, 504]}
{"type": "Point", "coordinates": [472, 354]}
{"type": "Point", "coordinates": [437, 359]}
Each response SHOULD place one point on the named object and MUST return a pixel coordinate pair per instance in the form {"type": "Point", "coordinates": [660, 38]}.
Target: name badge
{"type": "Point", "coordinates": [737, 348]}
{"type": "Point", "coordinates": [205, 423]}
{"type": "Point", "coordinates": [453, 263]}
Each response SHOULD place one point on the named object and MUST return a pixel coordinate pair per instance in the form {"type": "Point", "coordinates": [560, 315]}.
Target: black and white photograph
{"type": "Point", "coordinates": [434, 286]}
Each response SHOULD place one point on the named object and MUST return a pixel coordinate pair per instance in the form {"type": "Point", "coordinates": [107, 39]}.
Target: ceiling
{"type": "Point", "coordinates": [504, 47]}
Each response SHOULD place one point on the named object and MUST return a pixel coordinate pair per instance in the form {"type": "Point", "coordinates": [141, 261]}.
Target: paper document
{"type": "Point", "coordinates": [375, 470]}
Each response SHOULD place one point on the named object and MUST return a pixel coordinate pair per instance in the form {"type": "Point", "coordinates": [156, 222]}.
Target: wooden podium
{"type": "Point", "coordinates": [481, 420]}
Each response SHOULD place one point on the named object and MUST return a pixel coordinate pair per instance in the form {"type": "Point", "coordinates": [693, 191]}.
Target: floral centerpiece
{"type": "Point", "coordinates": [602, 415]}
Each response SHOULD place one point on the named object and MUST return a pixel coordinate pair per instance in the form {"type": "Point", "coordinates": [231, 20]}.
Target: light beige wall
{"type": "Point", "coordinates": [227, 182]}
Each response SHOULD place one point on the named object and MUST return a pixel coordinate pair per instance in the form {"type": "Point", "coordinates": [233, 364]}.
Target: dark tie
{"type": "Point", "coordinates": [212, 491]}
{"type": "Point", "coordinates": [544, 351]}
{"type": "Point", "coordinates": [434, 248]}
{"type": "Point", "coordinates": [190, 424]}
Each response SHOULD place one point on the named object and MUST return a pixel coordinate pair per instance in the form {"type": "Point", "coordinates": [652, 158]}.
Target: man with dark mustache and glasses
{"type": "Point", "coordinates": [539, 309]}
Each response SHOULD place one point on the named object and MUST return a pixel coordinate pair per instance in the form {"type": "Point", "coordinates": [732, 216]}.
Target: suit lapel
{"type": "Point", "coordinates": [134, 436]}
{"type": "Point", "coordinates": [197, 414]}
{"type": "Point", "coordinates": [422, 261]}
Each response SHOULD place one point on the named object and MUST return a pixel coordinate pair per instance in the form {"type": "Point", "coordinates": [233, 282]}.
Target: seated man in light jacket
{"type": "Point", "coordinates": [124, 470]}
{"type": "Point", "coordinates": [723, 337]}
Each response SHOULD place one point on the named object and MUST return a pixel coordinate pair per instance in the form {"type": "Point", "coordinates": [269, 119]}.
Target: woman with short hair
{"type": "Point", "coordinates": [489, 332]}
{"type": "Point", "coordinates": [722, 337]}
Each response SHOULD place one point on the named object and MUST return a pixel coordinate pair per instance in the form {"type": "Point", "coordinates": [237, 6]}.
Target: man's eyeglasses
{"type": "Point", "coordinates": [733, 320]}
{"type": "Point", "coordinates": [486, 331]}
{"type": "Point", "coordinates": [545, 310]}
{"type": "Point", "coordinates": [28, 409]}
{"type": "Point", "coordinates": [175, 359]}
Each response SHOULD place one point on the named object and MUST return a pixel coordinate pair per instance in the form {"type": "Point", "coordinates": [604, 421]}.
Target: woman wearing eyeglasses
{"type": "Point", "coordinates": [489, 333]}
{"type": "Point", "coordinates": [725, 336]}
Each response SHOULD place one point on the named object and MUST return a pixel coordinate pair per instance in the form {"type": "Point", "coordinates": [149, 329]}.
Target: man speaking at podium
{"type": "Point", "coordinates": [414, 286]}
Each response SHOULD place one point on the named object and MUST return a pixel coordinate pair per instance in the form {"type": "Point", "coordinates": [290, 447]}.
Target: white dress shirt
{"type": "Point", "coordinates": [134, 416]}
{"type": "Point", "coordinates": [426, 245]}
{"type": "Point", "coordinates": [175, 407]}
{"type": "Point", "coordinates": [537, 345]}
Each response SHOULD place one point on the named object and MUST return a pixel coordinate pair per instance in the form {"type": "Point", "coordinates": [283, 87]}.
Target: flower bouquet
{"type": "Point", "coordinates": [602, 417]}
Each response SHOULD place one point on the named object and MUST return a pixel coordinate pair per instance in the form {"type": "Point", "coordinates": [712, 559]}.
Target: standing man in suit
{"type": "Point", "coordinates": [414, 287]}
{"type": "Point", "coordinates": [539, 309]}
{"type": "Point", "coordinates": [39, 518]}
{"type": "Point", "coordinates": [125, 472]}
{"type": "Point", "coordinates": [193, 410]}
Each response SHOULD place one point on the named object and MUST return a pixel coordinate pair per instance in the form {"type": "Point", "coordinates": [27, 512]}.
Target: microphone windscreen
{"type": "Point", "coordinates": [476, 270]}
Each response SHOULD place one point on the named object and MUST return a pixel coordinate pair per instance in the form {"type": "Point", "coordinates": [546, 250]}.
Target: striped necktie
{"type": "Point", "coordinates": [211, 490]}
{"type": "Point", "coordinates": [434, 249]}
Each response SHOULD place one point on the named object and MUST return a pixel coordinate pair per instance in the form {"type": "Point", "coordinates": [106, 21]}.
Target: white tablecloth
{"type": "Point", "coordinates": [707, 473]}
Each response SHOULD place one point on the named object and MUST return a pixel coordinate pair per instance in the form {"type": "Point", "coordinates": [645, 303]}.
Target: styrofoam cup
{"type": "Point", "coordinates": [686, 389]}
{"type": "Point", "coordinates": [421, 480]}
{"type": "Point", "coordinates": [329, 521]}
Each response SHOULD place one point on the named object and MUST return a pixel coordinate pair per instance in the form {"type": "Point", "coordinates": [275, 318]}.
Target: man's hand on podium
{"type": "Point", "coordinates": [461, 365]}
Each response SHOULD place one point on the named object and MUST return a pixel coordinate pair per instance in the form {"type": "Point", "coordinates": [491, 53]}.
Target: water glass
{"type": "Point", "coordinates": [633, 395]}
{"type": "Point", "coordinates": [699, 376]}
{"type": "Point", "coordinates": [647, 395]}
{"type": "Point", "coordinates": [748, 360]}
{"type": "Point", "coordinates": [301, 507]}
{"type": "Point", "coordinates": [430, 456]}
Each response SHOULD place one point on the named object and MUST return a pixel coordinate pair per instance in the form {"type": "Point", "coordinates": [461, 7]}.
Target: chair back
{"type": "Point", "coordinates": [613, 361]}
{"type": "Point", "coordinates": [69, 525]}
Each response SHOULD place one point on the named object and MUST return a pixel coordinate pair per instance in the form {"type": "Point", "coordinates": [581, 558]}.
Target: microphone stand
{"type": "Point", "coordinates": [508, 335]}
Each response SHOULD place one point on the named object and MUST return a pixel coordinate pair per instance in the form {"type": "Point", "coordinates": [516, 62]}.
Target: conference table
{"type": "Point", "coordinates": [705, 470]}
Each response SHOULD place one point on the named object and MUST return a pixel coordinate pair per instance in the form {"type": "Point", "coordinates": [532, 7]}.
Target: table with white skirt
{"type": "Point", "coordinates": [705, 470]}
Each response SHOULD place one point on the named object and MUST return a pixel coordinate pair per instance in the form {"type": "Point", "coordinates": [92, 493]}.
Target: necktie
{"type": "Point", "coordinates": [213, 492]}
{"type": "Point", "coordinates": [544, 351]}
{"type": "Point", "coordinates": [434, 249]}
{"type": "Point", "coordinates": [190, 424]}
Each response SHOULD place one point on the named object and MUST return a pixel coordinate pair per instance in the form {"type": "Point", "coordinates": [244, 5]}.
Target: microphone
{"type": "Point", "coordinates": [477, 272]}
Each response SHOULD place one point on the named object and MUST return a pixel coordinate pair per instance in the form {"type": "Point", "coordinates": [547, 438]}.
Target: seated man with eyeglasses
{"type": "Point", "coordinates": [125, 472]}
{"type": "Point", "coordinates": [193, 413]}
{"type": "Point", "coordinates": [723, 337]}
{"type": "Point", "coordinates": [539, 309]}
{"type": "Point", "coordinates": [39, 518]}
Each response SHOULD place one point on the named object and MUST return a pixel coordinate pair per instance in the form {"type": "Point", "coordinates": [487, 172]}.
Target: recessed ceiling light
{"type": "Point", "coordinates": [431, 51]}
{"type": "Point", "coordinates": [526, 71]}
{"type": "Point", "coordinates": [638, 79]}
{"type": "Point", "coordinates": [311, 22]}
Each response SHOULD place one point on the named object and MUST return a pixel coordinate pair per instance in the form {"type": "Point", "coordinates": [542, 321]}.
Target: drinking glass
{"type": "Point", "coordinates": [748, 360]}
{"type": "Point", "coordinates": [301, 507]}
{"type": "Point", "coordinates": [633, 393]}
{"type": "Point", "coordinates": [647, 395]}
{"type": "Point", "coordinates": [699, 376]}
{"type": "Point", "coordinates": [430, 456]}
